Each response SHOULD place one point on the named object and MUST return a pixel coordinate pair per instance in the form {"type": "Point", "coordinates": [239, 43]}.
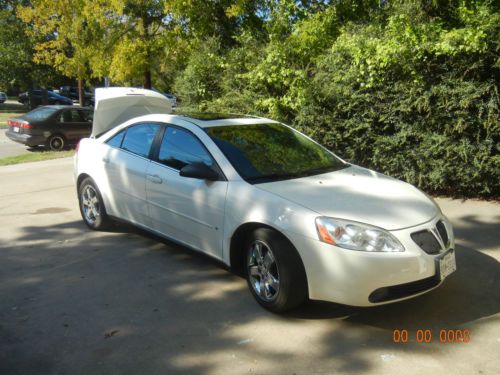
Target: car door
{"type": "Point", "coordinates": [187, 209]}
{"type": "Point", "coordinates": [87, 117]}
{"type": "Point", "coordinates": [72, 124]}
{"type": "Point", "coordinates": [126, 162]}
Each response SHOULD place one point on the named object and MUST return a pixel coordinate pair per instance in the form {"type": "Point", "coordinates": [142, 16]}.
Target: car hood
{"type": "Point", "coordinates": [360, 195]}
{"type": "Point", "coordinates": [116, 105]}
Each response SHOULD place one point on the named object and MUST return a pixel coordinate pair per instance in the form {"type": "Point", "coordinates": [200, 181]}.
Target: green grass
{"type": "Point", "coordinates": [36, 156]}
{"type": "Point", "coordinates": [4, 116]}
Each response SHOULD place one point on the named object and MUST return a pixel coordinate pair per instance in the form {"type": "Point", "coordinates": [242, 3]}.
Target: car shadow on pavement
{"type": "Point", "coordinates": [477, 234]}
{"type": "Point", "coordinates": [39, 148]}
{"type": "Point", "coordinates": [124, 301]}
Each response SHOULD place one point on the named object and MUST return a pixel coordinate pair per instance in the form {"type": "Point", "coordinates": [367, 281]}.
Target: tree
{"type": "Point", "coordinates": [17, 69]}
{"type": "Point", "coordinates": [134, 34]}
{"type": "Point", "coordinates": [64, 39]}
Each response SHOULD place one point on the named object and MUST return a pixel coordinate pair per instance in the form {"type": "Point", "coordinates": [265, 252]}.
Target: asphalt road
{"type": "Point", "coordinates": [73, 301]}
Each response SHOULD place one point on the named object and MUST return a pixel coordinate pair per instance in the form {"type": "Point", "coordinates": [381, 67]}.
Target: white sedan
{"type": "Point", "coordinates": [266, 200]}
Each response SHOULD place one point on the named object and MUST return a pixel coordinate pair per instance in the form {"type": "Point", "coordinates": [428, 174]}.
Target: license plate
{"type": "Point", "coordinates": [15, 129]}
{"type": "Point", "coordinates": [447, 264]}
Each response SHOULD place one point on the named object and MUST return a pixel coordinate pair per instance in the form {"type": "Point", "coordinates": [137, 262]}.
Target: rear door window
{"type": "Point", "coordinates": [87, 115]}
{"type": "Point", "coordinates": [71, 116]}
{"type": "Point", "coordinates": [116, 140]}
{"type": "Point", "coordinates": [139, 138]}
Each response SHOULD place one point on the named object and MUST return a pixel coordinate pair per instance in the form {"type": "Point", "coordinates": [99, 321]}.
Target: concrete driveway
{"type": "Point", "coordinates": [8, 147]}
{"type": "Point", "coordinates": [11, 148]}
{"type": "Point", "coordinates": [73, 301]}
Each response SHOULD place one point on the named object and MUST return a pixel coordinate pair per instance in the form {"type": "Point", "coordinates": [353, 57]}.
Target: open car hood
{"type": "Point", "coordinates": [115, 105]}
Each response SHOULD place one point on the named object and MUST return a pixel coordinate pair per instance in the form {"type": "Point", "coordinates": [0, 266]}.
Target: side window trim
{"type": "Point", "coordinates": [154, 151]}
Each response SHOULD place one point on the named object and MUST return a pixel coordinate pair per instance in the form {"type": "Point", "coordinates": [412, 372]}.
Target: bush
{"type": "Point", "coordinates": [409, 89]}
{"type": "Point", "coordinates": [406, 101]}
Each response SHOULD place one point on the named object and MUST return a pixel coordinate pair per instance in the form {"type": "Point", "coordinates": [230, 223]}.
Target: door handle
{"type": "Point", "coordinates": [154, 178]}
{"type": "Point", "coordinates": [105, 160]}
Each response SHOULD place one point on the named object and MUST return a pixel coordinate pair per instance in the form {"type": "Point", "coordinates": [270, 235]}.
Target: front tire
{"type": "Point", "coordinates": [274, 271]}
{"type": "Point", "coordinates": [92, 206]}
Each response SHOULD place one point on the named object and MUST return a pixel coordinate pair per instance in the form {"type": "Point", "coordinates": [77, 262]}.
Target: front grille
{"type": "Point", "coordinates": [390, 293]}
{"type": "Point", "coordinates": [426, 241]}
{"type": "Point", "coordinates": [442, 232]}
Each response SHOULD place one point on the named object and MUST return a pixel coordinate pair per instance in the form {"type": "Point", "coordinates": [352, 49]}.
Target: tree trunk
{"type": "Point", "coordinates": [146, 36]}
{"type": "Point", "coordinates": [81, 92]}
{"type": "Point", "coordinates": [147, 79]}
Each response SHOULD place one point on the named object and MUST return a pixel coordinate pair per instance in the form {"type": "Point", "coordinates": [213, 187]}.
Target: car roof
{"type": "Point", "coordinates": [181, 120]}
{"type": "Point", "coordinates": [208, 119]}
{"type": "Point", "coordinates": [58, 107]}
{"type": "Point", "coordinates": [63, 106]}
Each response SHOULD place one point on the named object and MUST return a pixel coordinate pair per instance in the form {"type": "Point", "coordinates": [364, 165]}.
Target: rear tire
{"type": "Point", "coordinates": [274, 271]}
{"type": "Point", "coordinates": [56, 142]}
{"type": "Point", "coordinates": [92, 206]}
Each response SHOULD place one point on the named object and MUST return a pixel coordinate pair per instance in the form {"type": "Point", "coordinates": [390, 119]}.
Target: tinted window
{"type": "Point", "coordinates": [180, 148]}
{"type": "Point", "coordinates": [116, 140]}
{"type": "Point", "coordinates": [267, 152]}
{"type": "Point", "coordinates": [41, 113]}
{"type": "Point", "coordinates": [87, 115]}
{"type": "Point", "coordinates": [71, 115]}
{"type": "Point", "coordinates": [139, 138]}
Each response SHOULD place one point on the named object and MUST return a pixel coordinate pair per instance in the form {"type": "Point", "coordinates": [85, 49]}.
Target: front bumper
{"type": "Point", "coordinates": [26, 139]}
{"type": "Point", "coordinates": [352, 277]}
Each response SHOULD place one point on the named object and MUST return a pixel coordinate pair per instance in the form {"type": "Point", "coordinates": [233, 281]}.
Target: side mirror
{"type": "Point", "coordinates": [200, 171]}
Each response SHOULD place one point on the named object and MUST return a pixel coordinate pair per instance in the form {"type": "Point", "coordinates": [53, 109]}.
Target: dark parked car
{"type": "Point", "coordinates": [35, 98]}
{"type": "Point", "coordinates": [54, 126]}
{"type": "Point", "coordinates": [3, 97]}
{"type": "Point", "coordinates": [72, 93]}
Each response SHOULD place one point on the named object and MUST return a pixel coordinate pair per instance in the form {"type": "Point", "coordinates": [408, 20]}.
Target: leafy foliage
{"type": "Point", "coordinates": [17, 68]}
{"type": "Point", "coordinates": [407, 87]}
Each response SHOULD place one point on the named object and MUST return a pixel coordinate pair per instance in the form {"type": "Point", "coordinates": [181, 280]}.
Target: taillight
{"type": "Point", "coordinates": [77, 146]}
{"type": "Point", "coordinates": [20, 124]}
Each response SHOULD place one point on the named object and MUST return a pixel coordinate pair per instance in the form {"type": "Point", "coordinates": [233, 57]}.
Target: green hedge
{"type": "Point", "coordinates": [410, 89]}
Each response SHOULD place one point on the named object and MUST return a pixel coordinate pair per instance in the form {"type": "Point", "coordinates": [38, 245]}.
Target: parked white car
{"type": "Point", "coordinates": [272, 204]}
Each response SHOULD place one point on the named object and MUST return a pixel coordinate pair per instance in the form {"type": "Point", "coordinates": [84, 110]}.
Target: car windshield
{"type": "Point", "coordinates": [270, 152]}
{"type": "Point", "coordinates": [40, 113]}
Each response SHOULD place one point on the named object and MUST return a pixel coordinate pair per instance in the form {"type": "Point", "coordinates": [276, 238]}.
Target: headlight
{"type": "Point", "coordinates": [356, 236]}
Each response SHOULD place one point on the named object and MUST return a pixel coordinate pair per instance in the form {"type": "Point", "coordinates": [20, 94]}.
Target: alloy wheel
{"type": "Point", "coordinates": [90, 204]}
{"type": "Point", "coordinates": [263, 271]}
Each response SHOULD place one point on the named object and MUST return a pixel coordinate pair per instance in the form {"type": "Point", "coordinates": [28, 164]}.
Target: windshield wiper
{"type": "Point", "coordinates": [272, 177]}
{"type": "Point", "coordinates": [315, 171]}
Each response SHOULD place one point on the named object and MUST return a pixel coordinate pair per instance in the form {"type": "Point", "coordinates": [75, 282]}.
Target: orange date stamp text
{"type": "Point", "coordinates": [443, 336]}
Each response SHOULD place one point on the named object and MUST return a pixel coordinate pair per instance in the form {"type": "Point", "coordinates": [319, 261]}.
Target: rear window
{"type": "Point", "coordinates": [40, 113]}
